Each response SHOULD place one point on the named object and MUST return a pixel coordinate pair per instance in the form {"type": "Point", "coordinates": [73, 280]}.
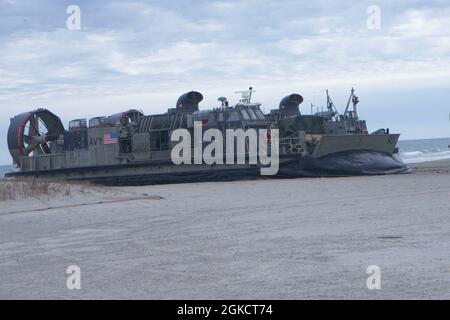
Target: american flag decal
{"type": "Point", "coordinates": [110, 138]}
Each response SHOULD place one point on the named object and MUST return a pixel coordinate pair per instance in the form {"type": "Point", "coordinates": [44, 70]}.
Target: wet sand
{"type": "Point", "coordinates": [441, 166]}
{"type": "Point", "coordinates": [268, 239]}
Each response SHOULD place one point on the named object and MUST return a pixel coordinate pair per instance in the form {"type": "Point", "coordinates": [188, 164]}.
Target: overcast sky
{"type": "Point", "coordinates": [145, 54]}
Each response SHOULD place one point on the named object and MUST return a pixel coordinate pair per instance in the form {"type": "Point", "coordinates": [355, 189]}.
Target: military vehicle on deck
{"type": "Point", "coordinates": [133, 148]}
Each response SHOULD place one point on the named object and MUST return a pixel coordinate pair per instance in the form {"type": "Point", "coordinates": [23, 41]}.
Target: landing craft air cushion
{"type": "Point", "coordinates": [131, 148]}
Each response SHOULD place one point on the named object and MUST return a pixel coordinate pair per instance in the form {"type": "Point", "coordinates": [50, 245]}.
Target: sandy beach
{"type": "Point", "coordinates": [266, 239]}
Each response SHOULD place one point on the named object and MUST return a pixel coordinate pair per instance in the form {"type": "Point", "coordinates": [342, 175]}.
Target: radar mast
{"type": "Point", "coordinates": [246, 96]}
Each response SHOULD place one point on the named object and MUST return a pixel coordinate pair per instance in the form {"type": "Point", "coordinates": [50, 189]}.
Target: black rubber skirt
{"type": "Point", "coordinates": [354, 163]}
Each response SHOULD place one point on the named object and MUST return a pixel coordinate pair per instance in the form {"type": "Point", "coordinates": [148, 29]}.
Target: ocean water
{"type": "Point", "coordinates": [5, 169]}
{"type": "Point", "coordinates": [415, 151]}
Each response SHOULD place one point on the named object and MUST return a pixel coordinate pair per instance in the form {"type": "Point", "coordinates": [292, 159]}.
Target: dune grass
{"type": "Point", "coordinates": [24, 188]}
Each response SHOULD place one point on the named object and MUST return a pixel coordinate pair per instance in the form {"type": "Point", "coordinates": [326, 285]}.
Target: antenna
{"type": "Point", "coordinates": [348, 102]}
{"type": "Point", "coordinates": [224, 101]}
{"type": "Point", "coordinates": [332, 108]}
{"type": "Point", "coordinates": [246, 95]}
{"type": "Point", "coordinates": [354, 99]}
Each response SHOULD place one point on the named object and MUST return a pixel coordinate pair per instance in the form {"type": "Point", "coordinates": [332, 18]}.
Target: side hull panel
{"type": "Point", "coordinates": [329, 144]}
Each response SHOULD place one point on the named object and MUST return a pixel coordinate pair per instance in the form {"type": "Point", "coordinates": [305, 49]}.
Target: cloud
{"type": "Point", "coordinates": [165, 47]}
{"type": "Point", "coordinates": [140, 43]}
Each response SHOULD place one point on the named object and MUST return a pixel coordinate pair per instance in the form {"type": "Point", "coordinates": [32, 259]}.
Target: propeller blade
{"type": "Point", "coordinates": [31, 147]}
{"type": "Point", "coordinates": [45, 148]}
{"type": "Point", "coordinates": [27, 139]}
{"type": "Point", "coordinates": [34, 127]}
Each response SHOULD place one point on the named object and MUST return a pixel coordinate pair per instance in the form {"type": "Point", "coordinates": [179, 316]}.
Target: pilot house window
{"type": "Point", "coordinates": [233, 116]}
{"type": "Point", "coordinates": [252, 114]}
{"type": "Point", "coordinates": [245, 114]}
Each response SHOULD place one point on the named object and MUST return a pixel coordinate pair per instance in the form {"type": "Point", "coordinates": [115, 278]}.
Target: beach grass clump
{"type": "Point", "coordinates": [24, 188]}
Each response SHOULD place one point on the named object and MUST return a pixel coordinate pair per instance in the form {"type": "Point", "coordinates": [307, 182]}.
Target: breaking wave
{"type": "Point", "coordinates": [424, 155]}
{"type": "Point", "coordinates": [424, 150]}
